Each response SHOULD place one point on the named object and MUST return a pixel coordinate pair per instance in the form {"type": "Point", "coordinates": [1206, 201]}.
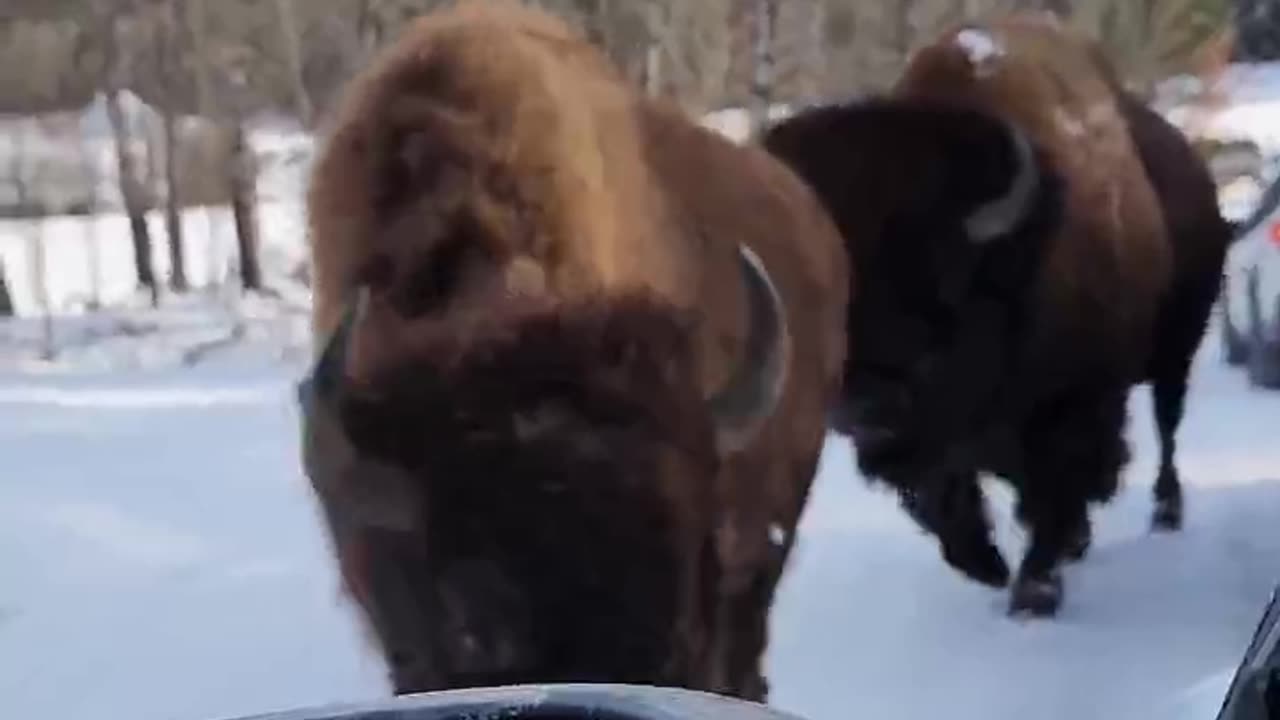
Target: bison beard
{"type": "Point", "coordinates": [1012, 350]}
{"type": "Point", "coordinates": [541, 550]}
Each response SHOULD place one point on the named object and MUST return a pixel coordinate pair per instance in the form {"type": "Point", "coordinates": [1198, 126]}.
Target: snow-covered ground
{"type": "Point", "coordinates": [161, 558]}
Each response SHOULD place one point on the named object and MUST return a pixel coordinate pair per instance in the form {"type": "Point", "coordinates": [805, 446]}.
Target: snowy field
{"type": "Point", "coordinates": [161, 558]}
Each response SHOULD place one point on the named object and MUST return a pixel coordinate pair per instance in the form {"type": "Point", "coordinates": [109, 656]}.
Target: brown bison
{"type": "Point", "coordinates": [576, 357]}
{"type": "Point", "coordinates": [1031, 241]}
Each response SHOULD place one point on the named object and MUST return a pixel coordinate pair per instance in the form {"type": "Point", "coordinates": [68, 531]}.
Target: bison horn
{"type": "Point", "coordinates": [1003, 214]}
{"type": "Point", "coordinates": [369, 492]}
{"type": "Point", "coordinates": [748, 399]}
{"type": "Point", "coordinates": [331, 365]}
{"type": "Point", "coordinates": [316, 392]}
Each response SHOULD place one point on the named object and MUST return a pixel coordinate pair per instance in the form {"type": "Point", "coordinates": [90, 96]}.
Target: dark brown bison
{"type": "Point", "coordinates": [576, 358]}
{"type": "Point", "coordinates": [1030, 242]}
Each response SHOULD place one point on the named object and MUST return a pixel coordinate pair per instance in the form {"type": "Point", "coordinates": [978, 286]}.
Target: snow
{"type": "Point", "coordinates": [161, 554]}
{"type": "Point", "coordinates": [1250, 93]}
{"type": "Point", "coordinates": [869, 614]}
{"type": "Point", "coordinates": [81, 252]}
{"type": "Point", "coordinates": [735, 123]}
{"type": "Point", "coordinates": [981, 48]}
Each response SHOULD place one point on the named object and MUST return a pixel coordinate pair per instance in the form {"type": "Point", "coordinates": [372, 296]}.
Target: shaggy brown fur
{"type": "Point", "coordinates": [1199, 237]}
{"type": "Point", "coordinates": [520, 469]}
{"type": "Point", "coordinates": [1110, 255]}
{"type": "Point", "coordinates": [1011, 351]}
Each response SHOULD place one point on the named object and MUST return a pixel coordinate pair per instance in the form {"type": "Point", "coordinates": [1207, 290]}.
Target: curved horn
{"type": "Point", "coordinates": [368, 492]}
{"type": "Point", "coordinates": [316, 391]}
{"type": "Point", "coordinates": [331, 364]}
{"type": "Point", "coordinates": [750, 396]}
{"type": "Point", "coordinates": [1001, 215]}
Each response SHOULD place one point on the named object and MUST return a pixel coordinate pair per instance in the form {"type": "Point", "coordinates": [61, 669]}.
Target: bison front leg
{"type": "Point", "coordinates": [1075, 451]}
{"type": "Point", "coordinates": [1054, 519]}
{"type": "Point", "coordinates": [952, 508]}
{"type": "Point", "coordinates": [748, 624]}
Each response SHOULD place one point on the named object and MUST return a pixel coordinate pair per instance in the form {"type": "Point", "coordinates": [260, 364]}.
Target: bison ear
{"type": "Point", "coordinates": [1016, 163]}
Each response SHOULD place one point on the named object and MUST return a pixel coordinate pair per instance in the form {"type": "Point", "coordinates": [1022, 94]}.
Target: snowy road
{"type": "Point", "coordinates": [161, 559]}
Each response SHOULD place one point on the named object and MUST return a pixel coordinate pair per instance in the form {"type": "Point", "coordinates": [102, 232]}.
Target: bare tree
{"type": "Point", "coordinates": [6, 299]}
{"type": "Point", "coordinates": [92, 178]}
{"type": "Point", "coordinates": [290, 35]}
{"type": "Point", "coordinates": [764, 24]}
{"type": "Point", "coordinates": [131, 188]}
{"type": "Point", "coordinates": [36, 250]}
{"type": "Point", "coordinates": [655, 19]}
{"type": "Point", "coordinates": [169, 49]}
{"type": "Point", "coordinates": [242, 175]}
{"type": "Point", "coordinates": [226, 102]}
{"type": "Point", "coordinates": [1152, 39]}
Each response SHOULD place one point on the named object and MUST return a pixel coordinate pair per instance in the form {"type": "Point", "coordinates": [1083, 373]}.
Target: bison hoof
{"type": "Point", "coordinates": [1036, 597]}
{"type": "Point", "coordinates": [757, 691]}
{"type": "Point", "coordinates": [1081, 540]}
{"type": "Point", "coordinates": [980, 562]}
{"type": "Point", "coordinates": [1167, 516]}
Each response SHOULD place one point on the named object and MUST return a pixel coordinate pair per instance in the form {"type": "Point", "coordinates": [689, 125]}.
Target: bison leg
{"type": "Point", "coordinates": [1170, 392]}
{"type": "Point", "coordinates": [1078, 542]}
{"type": "Point", "coordinates": [743, 627]}
{"type": "Point", "coordinates": [954, 510]}
{"type": "Point", "coordinates": [1075, 451]}
{"type": "Point", "coordinates": [1055, 523]}
{"type": "Point", "coordinates": [1180, 332]}
{"type": "Point", "coordinates": [1081, 540]}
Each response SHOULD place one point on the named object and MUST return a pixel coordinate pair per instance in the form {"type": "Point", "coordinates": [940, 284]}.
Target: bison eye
{"type": "Point", "coordinates": [429, 286]}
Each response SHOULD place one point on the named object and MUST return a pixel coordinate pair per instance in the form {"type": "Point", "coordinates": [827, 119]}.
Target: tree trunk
{"type": "Point", "coordinates": [173, 202]}
{"type": "Point", "coordinates": [368, 30]}
{"type": "Point", "coordinates": [763, 64]}
{"type": "Point", "coordinates": [19, 184]}
{"type": "Point", "coordinates": [36, 249]}
{"type": "Point", "coordinates": [653, 51]}
{"type": "Point", "coordinates": [131, 191]}
{"type": "Point", "coordinates": [293, 54]}
{"type": "Point", "coordinates": [192, 14]}
{"type": "Point", "coordinates": [6, 300]}
{"type": "Point", "coordinates": [244, 208]}
{"type": "Point", "coordinates": [173, 195]}
{"type": "Point", "coordinates": [130, 185]}
{"type": "Point", "coordinates": [40, 283]}
{"type": "Point", "coordinates": [93, 254]}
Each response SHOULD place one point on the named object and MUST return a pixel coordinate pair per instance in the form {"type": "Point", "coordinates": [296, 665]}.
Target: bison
{"type": "Point", "coordinates": [1031, 241]}
{"type": "Point", "coordinates": [574, 360]}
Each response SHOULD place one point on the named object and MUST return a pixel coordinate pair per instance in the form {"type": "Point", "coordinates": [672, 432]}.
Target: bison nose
{"type": "Point", "coordinates": [486, 630]}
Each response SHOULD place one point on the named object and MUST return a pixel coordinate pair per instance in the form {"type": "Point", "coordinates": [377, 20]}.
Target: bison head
{"type": "Point", "coordinates": [945, 213]}
{"type": "Point", "coordinates": [531, 499]}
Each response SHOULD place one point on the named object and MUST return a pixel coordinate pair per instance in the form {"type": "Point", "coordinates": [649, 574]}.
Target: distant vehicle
{"type": "Point", "coordinates": [1251, 293]}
